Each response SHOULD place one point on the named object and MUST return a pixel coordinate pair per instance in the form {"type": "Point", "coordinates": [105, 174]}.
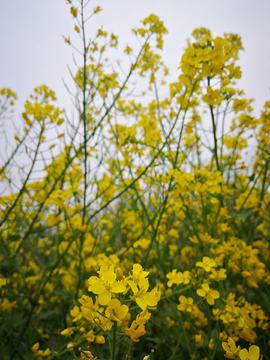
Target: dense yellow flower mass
{"type": "Point", "coordinates": [147, 229]}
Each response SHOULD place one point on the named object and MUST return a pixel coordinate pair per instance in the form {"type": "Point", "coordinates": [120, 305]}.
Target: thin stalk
{"type": "Point", "coordinates": [114, 340]}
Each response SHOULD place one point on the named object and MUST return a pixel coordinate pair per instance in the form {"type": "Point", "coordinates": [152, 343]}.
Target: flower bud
{"type": "Point", "coordinates": [119, 274]}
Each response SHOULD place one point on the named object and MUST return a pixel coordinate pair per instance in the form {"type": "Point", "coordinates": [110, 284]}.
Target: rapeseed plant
{"type": "Point", "coordinates": [145, 231]}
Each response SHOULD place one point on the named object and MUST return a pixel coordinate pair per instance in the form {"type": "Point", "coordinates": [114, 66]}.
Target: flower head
{"type": "Point", "coordinates": [105, 285]}
{"type": "Point", "coordinates": [207, 264]}
{"type": "Point", "coordinates": [231, 350]}
{"type": "Point", "coordinates": [208, 294]}
{"type": "Point", "coordinates": [186, 304]}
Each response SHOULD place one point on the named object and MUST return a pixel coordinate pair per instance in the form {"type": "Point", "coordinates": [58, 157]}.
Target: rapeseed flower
{"type": "Point", "coordinates": [232, 351]}
{"type": "Point", "coordinates": [105, 286]}
{"type": "Point", "coordinates": [207, 264]}
{"type": "Point", "coordinates": [208, 294]}
{"type": "Point", "coordinates": [186, 304]}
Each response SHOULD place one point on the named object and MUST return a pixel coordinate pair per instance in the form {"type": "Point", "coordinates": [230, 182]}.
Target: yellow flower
{"type": "Point", "coordinates": [207, 263]}
{"type": "Point", "coordinates": [97, 9]}
{"type": "Point", "coordinates": [143, 298]}
{"type": "Point", "coordinates": [46, 352]}
{"type": "Point", "coordinates": [127, 50]}
{"type": "Point", "coordinates": [143, 317]}
{"type": "Point", "coordinates": [177, 277]}
{"type": "Point", "coordinates": [240, 288]}
{"type": "Point", "coordinates": [135, 331]}
{"type": "Point", "coordinates": [35, 347]}
{"type": "Point", "coordinates": [211, 344]}
{"type": "Point", "coordinates": [218, 275]}
{"type": "Point", "coordinates": [138, 273]}
{"type": "Point", "coordinates": [67, 332]}
{"type": "Point", "coordinates": [115, 311]}
{"type": "Point", "coordinates": [73, 11]}
{"type": "Point", "coordinates": [198, 340]}
{"type": "Point", "coordinates": [89, 309]}
{"type": "Point", "coordinates": [87, 355]}
{"type": "Point", "coordinates": [90, 337]}
{"type": "Point", "coordinates": [75, 313]}
{"type": "Point", "coordinates": [232, 351]}
{"type": "Point", "coordinates": [222, 336]}
{"type": "Point", "coordinates": [137, 328]}
{"type": "Point", "coordinates": [105, 286]}
{"type": "Point", "coordinates": [253, 353]}
{"type": "Point", "coordinates": [70, 345]}
{"type": "Point", "coordinates": [170, 321]}
{"type": "Point", "coordinates": [172, 276]}
{"type": "Point", "coordinates": [100, 339]}
{"type": "Point", "coordinates": [212, 97]}
{"type": "Point", "coordinates": [208, 294]}
{"type": "Point", "coordinates": [186, 304]}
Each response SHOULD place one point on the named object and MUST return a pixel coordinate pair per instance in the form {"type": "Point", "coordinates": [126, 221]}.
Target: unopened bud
{"type": "Point", "coordinates": [119, 274]}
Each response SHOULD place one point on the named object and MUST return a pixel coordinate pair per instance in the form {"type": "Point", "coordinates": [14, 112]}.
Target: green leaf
{"type": "Point", "coordinates": [64, 294]}
{"type": "Point", "coordinates": [245, 213]}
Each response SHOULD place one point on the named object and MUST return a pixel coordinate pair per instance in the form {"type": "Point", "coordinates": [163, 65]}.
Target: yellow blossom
{"type": "Point", "coordinates": [105, 286]}
{"type": "Point", "coordinates": [207, 264]}
{"type": "Point", "coordinates": [218, 275]}
{"type": "Point", "coordinates": [143, 298]}
{"type": "Point", "coordinates": [208, 294]}
{"type": "Point", "coordinates": [75, 313]}
{"type": "Point", "coordinates": [198, 340]}
{"type": "Point", "coordinates": [232, 351]}
{"type": "Point", "coordinates": [73, 11]}
{"type": "Point", "coordinates": [116, 311]}
{"type": "Point", "coordinates": [67, 332]}
{"type": "Point", "coordinates": [100, 339]}
{"type": "Point", "coordinates": [186, 304]}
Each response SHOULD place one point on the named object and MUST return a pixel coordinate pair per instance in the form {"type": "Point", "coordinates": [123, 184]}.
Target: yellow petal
{"type": "Point", "coordinates": [243, 354]}
{"type": "Point", "coordinates": [133, 286]}
{"type": "Point", "coordinates": [201, 292]}
{"type": "Point", "coordinates": [141, 302]}
{"type": "Point", "coordinates": [114, 303]}
{"type": "Point", "coordinates": [226, 346]}
{"type": "Point", "coordinates": [136, 268]}
{"type": "Point", "coordinates": [104, 297]}
{"type": "Point", "coordinates": [121, 311]}
{"type": "Point", "coordinates": [118, 287]}
{"type": "Point", "coordinates": [181, 307]}
{"type": "Point", "coordinates": [232, 344]}
{"type": "Point", "coordinates": [75, 311]}
{"type": "Point", "coordinates": [144, 284]}
{"type": "Point", "coordinates": [254, 352]}
{"type": "Point", "coordinates": [210, 300]}
{"type": "Point", "coordinates": [92, 280]}
{"type": "Point", "coordinates": [109, 276]}
{"type": "Point", "coordinates": [97, 288]}
{"type": "Point", "coordinates": [214, 294]}
{"type": "Point", "coordinates": [205, 287]}
{"type": "Point", "coordinates": [200, 264]}
{"type": "Point", "coordinates": [150, 298]}
{"type": "Point", "coordinates": [182, 299]}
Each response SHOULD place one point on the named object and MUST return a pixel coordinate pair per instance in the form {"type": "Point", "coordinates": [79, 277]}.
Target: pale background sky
{"type": "Point", "coordinates": [33, 51]}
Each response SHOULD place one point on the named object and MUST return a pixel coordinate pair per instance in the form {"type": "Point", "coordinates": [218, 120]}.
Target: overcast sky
{"type": "Point", "coordinates": [33, 51]}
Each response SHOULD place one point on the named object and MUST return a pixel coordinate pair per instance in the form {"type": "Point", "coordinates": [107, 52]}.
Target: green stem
{"type": "Point", "coordinates": [176, 347]}
{"type": "Point", "coordinates": [114, 340]}
{"type": "Point", "coordinates": [185, 336]}
{"type": "Point", "coordinates": [129, 349]}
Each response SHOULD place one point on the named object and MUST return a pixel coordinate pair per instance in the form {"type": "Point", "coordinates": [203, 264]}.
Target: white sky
{"type": "Point", "coordinates": [33, 51]}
